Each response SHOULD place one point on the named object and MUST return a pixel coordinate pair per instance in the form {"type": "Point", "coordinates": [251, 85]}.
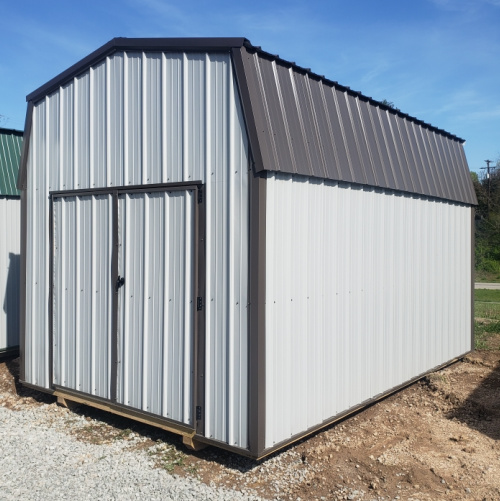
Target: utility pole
{"type": "Point", "coordinates": [488, 169]}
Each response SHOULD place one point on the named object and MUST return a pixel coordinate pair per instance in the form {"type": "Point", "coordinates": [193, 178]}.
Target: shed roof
{"type": "Point", "coordinates": [10, 153]}
{"type": "Point", "coordinates": [302, 123]}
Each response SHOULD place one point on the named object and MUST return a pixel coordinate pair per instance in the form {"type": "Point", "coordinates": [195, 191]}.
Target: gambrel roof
{"type": "Point", "coordinates": [301, 123]}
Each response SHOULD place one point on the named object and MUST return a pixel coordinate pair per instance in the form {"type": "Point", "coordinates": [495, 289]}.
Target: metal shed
{"type": "Point", "coordinates": [229, 246]}
{"type": "Point", "coordinates": [10, 233]}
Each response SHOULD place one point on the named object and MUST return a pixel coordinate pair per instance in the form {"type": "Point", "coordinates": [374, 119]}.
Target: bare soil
{"type": "Point", "coordinates": [437, 439]}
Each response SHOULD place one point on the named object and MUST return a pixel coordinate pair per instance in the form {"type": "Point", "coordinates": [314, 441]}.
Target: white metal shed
{"type": "Point", "coordinates": [10, 241]}
{"type": "Point", "coordinates": [229, 246]}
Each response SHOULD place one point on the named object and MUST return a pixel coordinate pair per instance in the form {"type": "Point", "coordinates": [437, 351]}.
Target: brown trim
{"type": "Point", "coordinates": [206, 45]}
{"type": "Point", "coordinates": [50, 368]}
{"type": "Point", "coordinates": [22, 175]}
{"type": "Point", "coordinates": [246, 105]}
{"type": "Point", "coordinates": [473, 275]}
{"type": "Point", "coordinates": [22, 182]}
{"type": "Point", "coordinates": [123, 410]}
{"type": "Point", "coordinates": [136, 188]}
{"type": "Point", "coordinates": [256, 316]}
{"type": "Point", "coordinates": [35, 387]}
{"type": "Point", "coordinates": [200, 315]}
{"type": "Point", "coordinates": [134, 44]}
{"type": "Point", "coordinates": [22, 286]}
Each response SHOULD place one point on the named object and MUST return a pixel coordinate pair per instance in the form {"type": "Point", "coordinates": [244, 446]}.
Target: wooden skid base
{"type": "Point", "coordinates": [64, 402]}
{"type": "Point", "coordinates": [193, 444]}
{"type": "Point", "coordinates": [188, 436]}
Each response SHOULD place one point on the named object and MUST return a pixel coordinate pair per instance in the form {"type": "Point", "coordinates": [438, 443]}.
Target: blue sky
{"type": "Point", "coordinates": [438, 60]}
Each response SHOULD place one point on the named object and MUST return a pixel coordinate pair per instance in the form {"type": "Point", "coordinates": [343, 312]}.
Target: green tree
{"type": "Point", "coordinates": [488, 221]}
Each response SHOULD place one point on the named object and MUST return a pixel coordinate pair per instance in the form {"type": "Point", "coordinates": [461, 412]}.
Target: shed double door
{"type": "Point", "coordinates": [123, 298]}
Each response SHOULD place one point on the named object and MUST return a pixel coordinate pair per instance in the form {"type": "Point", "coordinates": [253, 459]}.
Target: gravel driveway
{"type": "Point", "coordinates": [40, 460]}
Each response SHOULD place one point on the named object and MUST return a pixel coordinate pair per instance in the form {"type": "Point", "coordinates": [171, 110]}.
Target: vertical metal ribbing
{"type": "Point", "coordinates": [146, 334]}
{"type": "Point", "coordinates": [114, 292]}
{"type": "Point", "coordinates": [231, 410]}
{"type": "Point", "coordinates": [189, 306]}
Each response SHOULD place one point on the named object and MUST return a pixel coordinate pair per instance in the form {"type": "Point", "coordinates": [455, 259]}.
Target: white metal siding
{"type": "Point", "coordinates": [156, 303]}
{"type": "Point", "coordinates": [10, 224]}
{"type": "Point", "coordinates": [146, 118]}
{"type": "Point", "coordinates": [82, 293]}
{"type": "Point", "coordinates": [365, 289]}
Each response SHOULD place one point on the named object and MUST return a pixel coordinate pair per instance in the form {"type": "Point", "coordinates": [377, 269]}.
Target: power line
{"type": "Point", "coordinates": [488, 169]}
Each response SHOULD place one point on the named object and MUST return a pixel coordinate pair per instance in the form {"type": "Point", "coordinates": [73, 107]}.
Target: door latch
{"type": "Point", "coordinates": [120, 282]}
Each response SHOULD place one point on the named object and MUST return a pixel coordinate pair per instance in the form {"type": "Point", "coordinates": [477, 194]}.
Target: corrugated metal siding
{"type": "Point", "coordinates": [82, 293]}
{"type": "Point", "coordinates": [10, 224]}
{"type": "Point", "coordinates": [156, 303]}
{"type": "Point", "coordinates": [10, 154]}
{"type": "Point", "coordinates": [143, 118]}
{"type": "Point", "coordinates": [298, 116]}
{"type": "Point", "coordinates": [365, 289]}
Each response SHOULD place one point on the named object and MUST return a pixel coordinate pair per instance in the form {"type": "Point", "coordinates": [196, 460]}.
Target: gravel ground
{"type": "Point", "coordinates": [438, 439]}
{"type": "Point", "coordinates": [39, 461]}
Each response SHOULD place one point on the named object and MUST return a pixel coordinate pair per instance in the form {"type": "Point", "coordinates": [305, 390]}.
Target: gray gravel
{"type": "Point", "coordinates": [39, 460]}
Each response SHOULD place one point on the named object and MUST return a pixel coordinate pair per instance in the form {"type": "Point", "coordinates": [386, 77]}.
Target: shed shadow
{"type": "Point", "coordinates": [11, 301]}
{"type": "Point", "coordinates": [12, 365]}
{"type": "Point", "coordinates": [481, 410]}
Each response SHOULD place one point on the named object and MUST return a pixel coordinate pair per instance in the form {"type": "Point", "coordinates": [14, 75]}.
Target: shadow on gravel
{"type": "Point", "coordinates": [105, 426]}
{"type": "Point", "coordinates": [22, 391]}
{"type": "Point", "coordinates": [481, 410]}
{"type": "Point", "coordinates": [113, 427]}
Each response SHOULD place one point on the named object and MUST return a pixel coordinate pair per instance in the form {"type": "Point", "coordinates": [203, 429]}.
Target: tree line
{"type": "Point", "coordinates": [488, 220]}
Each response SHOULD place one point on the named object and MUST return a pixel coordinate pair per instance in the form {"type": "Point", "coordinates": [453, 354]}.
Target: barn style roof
{"type": "Point", "coordinates": [302, 123]}
{"type": "Point", "coordinates": [10, 153]}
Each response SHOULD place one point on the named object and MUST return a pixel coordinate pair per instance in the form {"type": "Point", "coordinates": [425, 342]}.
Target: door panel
{"type": "Point", "coordinates": [156, 303]}
{"type": "Point", "coordinates": [82, 293]}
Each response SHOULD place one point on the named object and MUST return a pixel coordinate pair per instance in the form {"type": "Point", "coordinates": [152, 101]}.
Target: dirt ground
{"type": "Point", "coordinates": [437, 439]}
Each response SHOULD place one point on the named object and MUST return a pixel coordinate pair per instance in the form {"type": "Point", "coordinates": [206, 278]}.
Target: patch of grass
{"type": "Point", "coordinates": [169, 457]}
{"type": "Point", "coordinates": [490, 295]}
{"type": "Point", "coordinates": [486, 317]}
{"type": "Point", "coordinates": [485, 310]}
{"type": "Point", "coordinates": [484, 330]}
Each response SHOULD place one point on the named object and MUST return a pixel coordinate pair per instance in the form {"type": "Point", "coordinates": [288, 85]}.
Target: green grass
{"type": "Point", "coordinates": [490, 295]}
{"type": "Point", "coordinates": [486, 317]}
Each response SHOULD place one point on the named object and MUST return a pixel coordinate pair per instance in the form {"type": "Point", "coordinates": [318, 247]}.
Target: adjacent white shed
{"type": "Point", "coordinates": [229, 246]}
{"type": "Point", "coordinates": [10, 228]}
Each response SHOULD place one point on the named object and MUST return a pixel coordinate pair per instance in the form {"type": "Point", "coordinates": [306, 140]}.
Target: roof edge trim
{"type": "Point", "coordinates": [14, 132]}
{"type": "Point", "coordinates": [348, 90]}
{"type": "Point", "coordinates": [22, 175]}
{"type": "Point", "coordinates": [122, 43]}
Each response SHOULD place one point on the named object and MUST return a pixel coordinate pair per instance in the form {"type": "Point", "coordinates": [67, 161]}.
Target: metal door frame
{"type": "Point", "coordinates": [198, 287]}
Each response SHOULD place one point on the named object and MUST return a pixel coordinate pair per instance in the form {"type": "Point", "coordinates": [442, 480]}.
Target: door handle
{"type": "Point", "coordinates": [120, 282]}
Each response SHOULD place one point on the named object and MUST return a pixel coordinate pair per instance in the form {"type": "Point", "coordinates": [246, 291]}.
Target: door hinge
{"type": "Point", "coordinates": [199, 303]}
{"type": "Point", "coordinates": [200, 195]}
{"type": "Point", "coordinates": [198, 413]}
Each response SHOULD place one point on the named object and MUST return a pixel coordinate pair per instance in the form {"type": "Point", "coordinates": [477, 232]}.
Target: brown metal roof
{"type": "Point", "coordinates": [302, 123]}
